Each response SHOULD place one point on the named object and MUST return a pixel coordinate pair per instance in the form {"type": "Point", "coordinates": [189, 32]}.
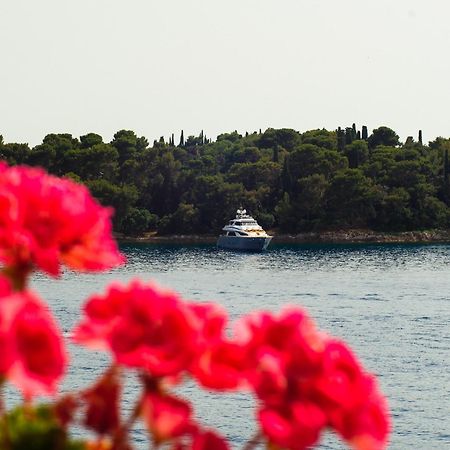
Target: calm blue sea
{"type": "Point", "coordinates": [390, 302]}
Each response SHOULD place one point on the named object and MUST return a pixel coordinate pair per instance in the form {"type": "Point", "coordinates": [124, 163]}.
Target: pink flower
{"type": "Point", "coordinates": [46, 221]}
{"type": "Point", "coordinates": [200, 439]}
{"type": "Point", "coordinates": [143, 326]}
{"type": "Point", "coordinates": [296, 426]}
{"type": "Point", "coordinates": [219, 362]}
{"type": "Point", "coordinates": [307, 382]}
{"type": "Point", "coordinates": [366, 427]}
{"type": "Point", "coordinates": [279, 349]}
{"type": "Point", "coordinates": [166, 416]}
{"type": "Point", "coordinates": [209, 440]}
{"type": "Point", "coordinates": [31, 347]}
{"type": "Point", "coordinates": [341, 382]}
{"type": "Point", "coordinates": [221, 366]}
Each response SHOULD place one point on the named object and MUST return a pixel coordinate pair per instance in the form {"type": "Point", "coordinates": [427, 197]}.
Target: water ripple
{"type": "Point", "coordinates": [390, 302]}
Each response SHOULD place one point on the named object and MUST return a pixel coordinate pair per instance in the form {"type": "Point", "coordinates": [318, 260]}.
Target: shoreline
{"type": "Point", "coordinates": [353, 236]}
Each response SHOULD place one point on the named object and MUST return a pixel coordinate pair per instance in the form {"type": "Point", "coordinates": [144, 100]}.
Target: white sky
{"type": "Point", "coordinates": [159, 66]}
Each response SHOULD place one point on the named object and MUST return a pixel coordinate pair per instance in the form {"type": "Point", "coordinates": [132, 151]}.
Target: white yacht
{"type": "Point", "coordinates": [243, 233]}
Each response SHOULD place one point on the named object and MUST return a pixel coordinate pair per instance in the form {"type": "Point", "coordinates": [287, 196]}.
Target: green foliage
{"type": "Point", "coordinates": [351, 198]}
{"type": "Point", "coordinates": [121, 198]}
{"type": "Point", "coordinates": [184, 219]}
{"type": "Point", "coordinates": [284, 137]}
{"type": "Point", "coordinates": [34, 428]}
{"type": "Point", "coordinates": [15, 153]}
{"type": "Point", "coordinates": [138, 221]}
{"type": "Point", "coordinates": [357, 153]}
{"type": "Point", "coordinates": [383, 136]}
{"type": "Point", "coordinates": [314, 180]}
{"type": "Point", "coordinates": [321, 138]}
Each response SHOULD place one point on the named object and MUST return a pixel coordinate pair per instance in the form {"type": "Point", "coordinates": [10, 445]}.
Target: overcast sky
{"type": "Point", "coordinates": [159, 66]}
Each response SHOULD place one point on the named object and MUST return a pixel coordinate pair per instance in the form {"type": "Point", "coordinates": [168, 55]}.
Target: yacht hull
{"type": "Point", "coordinates": [245, 243]}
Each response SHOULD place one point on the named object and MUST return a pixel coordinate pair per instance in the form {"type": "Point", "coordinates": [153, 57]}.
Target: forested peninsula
{"type": "Point", "coordinates": [309, 183]}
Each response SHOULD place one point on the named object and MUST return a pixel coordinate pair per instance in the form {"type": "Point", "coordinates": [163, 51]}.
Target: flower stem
{"type": "Point", "coordinates": [253, 442]}
{"type": "Point", "coordinates": [2, 403]}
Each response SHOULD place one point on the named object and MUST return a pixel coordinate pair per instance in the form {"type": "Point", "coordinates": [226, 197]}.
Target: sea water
{"type": "Point", "coordinates": [391, 303]}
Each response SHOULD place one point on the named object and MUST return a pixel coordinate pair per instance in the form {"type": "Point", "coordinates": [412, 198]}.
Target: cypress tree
{"type": "Point", "coordinates": [275, 153]}
{"type": "Point", "coordinates": [182, 139]}
{"type": "Point", "coordinates": [340, 139]}
{"type": "Point", "coordinates": [446, 167]}
{"type": "Point", "coordinates": [420, 137]}
{"type": "Point", "coordinates": [358, 135]}
{"type": "Point", "coordinates": [349, 138]}
{"type": "Point", "coordinates": [286, 181]}
{"type": "Point", "coordinates": [364, 133]}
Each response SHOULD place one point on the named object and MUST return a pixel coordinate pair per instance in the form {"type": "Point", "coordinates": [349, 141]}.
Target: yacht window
{"type": "Point", "coordinates": [238, 224]}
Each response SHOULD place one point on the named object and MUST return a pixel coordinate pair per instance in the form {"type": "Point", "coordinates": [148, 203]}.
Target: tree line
{"type": "Point", "coordinates": [292, 181]}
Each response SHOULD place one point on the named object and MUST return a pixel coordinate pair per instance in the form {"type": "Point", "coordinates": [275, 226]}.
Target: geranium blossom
{"type": "Point", "coordinates": [200, 439]}
{"type": "Point", "coordinates": [307, 381]}
{"type": "Point", "coordinates": [46, 221]}
{"type": "Point", "coordinates": [32, 354]}
{"type": "Point", "coordinates": [219, 362]}
{"type": "Point", "coordinates": [143, 326]}
{"type": "Point", "coordinates": [166, 416]}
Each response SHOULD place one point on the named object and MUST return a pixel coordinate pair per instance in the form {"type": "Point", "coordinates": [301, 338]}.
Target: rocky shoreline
{"type": "Point", "coordinates": [355, 236]}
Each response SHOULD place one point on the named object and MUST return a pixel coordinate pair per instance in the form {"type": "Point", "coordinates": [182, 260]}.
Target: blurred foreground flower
{"type": "Point", "coordinates": [46, 221]}
{"type": "Point", "coordinates": [32, 354]}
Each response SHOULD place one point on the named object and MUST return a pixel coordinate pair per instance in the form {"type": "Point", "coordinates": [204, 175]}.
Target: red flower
{"type": "Point", "coordinates": [143, 326]}
{"type": "Point", "coordinates": [342, 383]}
{"type": "Point", "coordinates": [296, 426]}
{"type": "Point", "coordinates": [307, 382]}
{"type": "Point", "coordinates": [219, 363]}
{"type": "Point", "coordinates": [102, 412]}
{"type": "Point", "coordinates": [32, 351]}
{"type": "Point", "coordinates": [280, 348]}
{"type": "Point", "coordinates": [200, 439]}
{"type": "Point", "coordinates": [167, 417]}
{"type": "Point", "coordinates": [209, 440]}
{"type": "Point", "coordinates": [366, 427]}
{"type": "Point", "coordinates": [46, 221]}
{"type": "Point", "coordinates": [221, 366]}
